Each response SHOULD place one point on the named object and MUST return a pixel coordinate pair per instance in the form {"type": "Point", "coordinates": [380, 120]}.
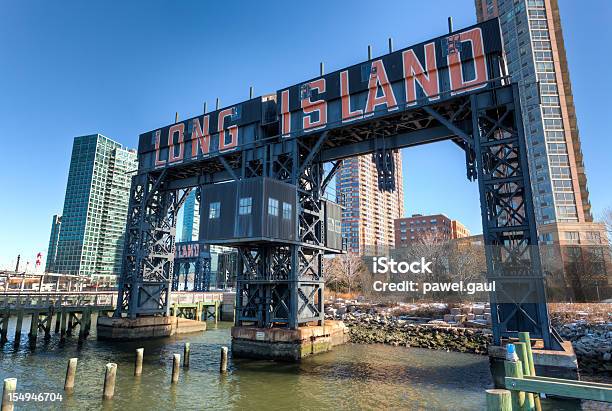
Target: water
{"type": "Point", "coordinates": [350, 377]}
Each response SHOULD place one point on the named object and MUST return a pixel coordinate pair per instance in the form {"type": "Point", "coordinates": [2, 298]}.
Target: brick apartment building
{"type": "Point", "coordinates": [409, 230]}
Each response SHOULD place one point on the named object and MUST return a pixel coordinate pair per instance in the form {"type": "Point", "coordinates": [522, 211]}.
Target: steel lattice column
{"type": "Point", "coordinates": [508, 220]}
{"type": "Point", "coordinates": [148, 259]}
{"type": "Point", "coordinates": [283, 284]}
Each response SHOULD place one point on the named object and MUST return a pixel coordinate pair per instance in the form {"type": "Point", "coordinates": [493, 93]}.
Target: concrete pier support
{"type": "Point", "coordinates": [286, 344]}
{"type": "Point", "coordinates": [110, 328]}
{"type": "Point", "coordinates": [548, 363]}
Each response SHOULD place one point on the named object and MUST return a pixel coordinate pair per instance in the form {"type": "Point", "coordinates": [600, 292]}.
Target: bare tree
{"type": "Point", "coordinates": [466, 261]}
{"type": "Point", "coordinates": [332, 272]}
{"type": "Point", "coordinates": [344, 270]}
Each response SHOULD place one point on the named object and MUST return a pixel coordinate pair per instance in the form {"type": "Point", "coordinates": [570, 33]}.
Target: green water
{"type": "Point", "coordinates": [350, 377]}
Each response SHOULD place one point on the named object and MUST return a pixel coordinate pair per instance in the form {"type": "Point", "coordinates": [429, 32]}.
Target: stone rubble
{"type": "Point", "coordinates": [592, 342]}
{"type": "Point", "coordinates": [368, 324]}
{"type": "Point", "coordinates": [464, 329]}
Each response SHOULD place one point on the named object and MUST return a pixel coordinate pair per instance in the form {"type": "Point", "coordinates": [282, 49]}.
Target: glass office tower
{"type": "Point", "coordinates": [95, 207]}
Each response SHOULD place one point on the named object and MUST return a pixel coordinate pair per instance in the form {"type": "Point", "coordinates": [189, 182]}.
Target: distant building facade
{"type": "Point", "coordinates": [223, 274]}
{"type": "Point", "coordinates": [56, 226]}
{"type": "Point", "coordinates": [368, 214]}
{"type": "Point", "coordinates": [191, 218]}
{"type": "Point", "coordinates": [414, 229]}
{"type": "Point", "coordinates": [93, 221]}
{"type": "Point", "coordinates": [536, 60]}
{"type": "Point", "coordinates": [459, 230]}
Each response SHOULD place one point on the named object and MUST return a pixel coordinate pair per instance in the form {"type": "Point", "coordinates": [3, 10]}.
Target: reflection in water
{"type": "Point", "coordinates": [350, 377]}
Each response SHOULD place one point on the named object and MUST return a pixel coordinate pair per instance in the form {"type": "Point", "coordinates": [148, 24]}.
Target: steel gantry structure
{"type": "Point", "coordinates": [449, 88]}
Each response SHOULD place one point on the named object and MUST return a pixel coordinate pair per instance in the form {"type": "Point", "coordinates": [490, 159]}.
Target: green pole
{"type": "Point", "coordinates": [515, 369]}
{"type": "Point", "coordinates": [499, 400]}
{"type": "Point", "coordinates": [521, 351]}
{"type": "Point", "coordinates": [524, 337]}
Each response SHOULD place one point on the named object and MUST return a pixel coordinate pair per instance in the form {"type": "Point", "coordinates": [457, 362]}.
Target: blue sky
{"type": "Point", "coordinates": [120, 68]}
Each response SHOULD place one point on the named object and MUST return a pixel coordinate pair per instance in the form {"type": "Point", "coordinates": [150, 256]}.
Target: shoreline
{"type": "Point", "coordinates": [590, 337]}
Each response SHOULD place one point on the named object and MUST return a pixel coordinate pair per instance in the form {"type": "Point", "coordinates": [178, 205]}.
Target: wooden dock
{"type": "Point", "coordinates": [70, 309]}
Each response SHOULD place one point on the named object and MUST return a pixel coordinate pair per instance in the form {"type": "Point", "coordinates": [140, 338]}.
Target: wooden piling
{"type": "Point", "coordinates": [82, 326]}
{"type": "Point", "coordinates": [34, 325]}
{"type": "Point", "coordinates": [199, 312]}
{"type": "Point", "coordinates": [4, 324]}
{"type": "Point", "coordinates": [524, 337]}
{"type": "Point", "coordinates": [70, 374]}
{"type": "Point", "coordinates": [223, 365]}
{"type": "Point", "coordinates": [521, 351]}
{"type": "Point", "coordinates": [138, 361]}
{"type": "Point", "coordinates": [110, 376]}
{"type": "Point", "coordinates": [88, 322]}
{"type": "Point", "coordinates": [499, 400]}
{"type": "Point", "coordinates": [47, 324]}
{"type": "Point", "coordinates": [58, 319]}
{"type": "Point", "coordinates": [186, 352]}
{"type": "Point", "coordinates": [515, 369]}
{"type": "Point", "coordinates": [63, 325]}
{"type": "Point", "coordinates": [9, 387]}
{"type": "Point", "coordinates": [176, 366]}
{"type": "Point", "coordinates": [70, 325]}
{"type": "Point", "coordinates": [19, 325]}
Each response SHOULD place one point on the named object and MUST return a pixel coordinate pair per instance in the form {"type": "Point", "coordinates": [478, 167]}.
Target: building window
{"type": "Point", "coordinates": [593, 236]}
{"type": "Point", "coordinates": [546, 238]}
{"type": "Point", "coordinates": [572, 237]}
{"type": "Point", "coordinates": [214, 210]}
{"type": "Point", "coordinates": [245, 206]}
{"type": "Point", "coordinates": [272, 206]}
{"type": "Point", "coordinates": [287, 211]}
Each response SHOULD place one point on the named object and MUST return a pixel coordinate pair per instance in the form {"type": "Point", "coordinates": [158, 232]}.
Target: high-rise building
{"type": "Point", "coordinates": [536, 60]}
{"type": "Point", "coordinates": [416, 228]}
{"type": "Point", "coordinates": [191, 218]}
{"type": "Point", "coordinates": [368, 214]}
{"type": "Point", "coordinates": [56, 226]}
{"type": "Point", "coordinates": [93, 222]}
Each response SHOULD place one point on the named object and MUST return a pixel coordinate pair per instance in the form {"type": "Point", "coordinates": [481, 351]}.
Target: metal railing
{"type": "Point", "coordinates": [36, 300]}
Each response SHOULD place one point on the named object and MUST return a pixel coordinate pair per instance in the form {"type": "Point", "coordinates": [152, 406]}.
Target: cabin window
{"type": "Point", "coordinates": [214, 210]}
{"type": "Point", "coordinates": [245, 206]}
{"type": "Point", "coordinates": [272, 206]}
{"type": "Point", "coordinates": [287, 211]}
